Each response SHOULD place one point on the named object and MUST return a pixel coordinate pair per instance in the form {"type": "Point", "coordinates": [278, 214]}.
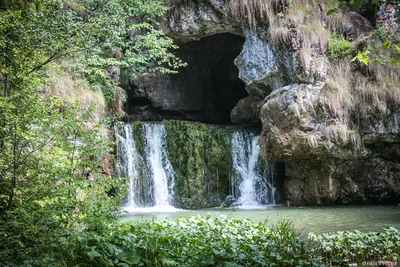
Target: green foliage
{"type": "Point", "coordinates": [99, 35]}
{"type": "Point", "coordinates": [358, 246]}
{"type": "Point", "coordinates": [138, 136]}
{"type": "Point", "coordinates": [339, 47]}
{"type": "Point", "coordinates": [355, 5]}
{"type": "Point", "coordinates": [51, 189]}
{"type": "Point", "coordinates": [221, 241]}
{"type": "Point", "coordinates": [35, 33]}
{"type": "Point", "coordinates": [109, 93]}
{"type": "Point", "coordinates": [195, 241]}
{"type": "Point", "coordinates": [387, 53]}
{"type": "Point", "coordinates": [362, 58]}
{"type": "Point", "coordinates": [382, 33]}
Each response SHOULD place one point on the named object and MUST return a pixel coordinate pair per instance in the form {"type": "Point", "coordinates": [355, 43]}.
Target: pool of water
{"type": "Point", "coordinates": [307, 219]}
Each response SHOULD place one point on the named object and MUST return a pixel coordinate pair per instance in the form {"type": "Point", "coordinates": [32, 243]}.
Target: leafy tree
{"type": "Point", "coordinates": [35, 33]}
{"type": "Point", "coordinates": [51, 149]}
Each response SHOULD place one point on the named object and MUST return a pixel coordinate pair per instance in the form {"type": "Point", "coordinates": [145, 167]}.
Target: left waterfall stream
{"type": "Point", "coordinates": [150, 174]}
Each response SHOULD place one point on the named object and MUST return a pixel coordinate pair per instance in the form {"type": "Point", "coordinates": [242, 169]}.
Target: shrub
{"type": "Point", "coordinates": [358, 246]}
{"type": "Point", "coordinates": [221, 241]}
{"type": "Point", "coordinates": [382, 33]}
{"type": "Point", "coordinates": [196, 241]}
{"type": "Point", "coordinates": [339, 47]}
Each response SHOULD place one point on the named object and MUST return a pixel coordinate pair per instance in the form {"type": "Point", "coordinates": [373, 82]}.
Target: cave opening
{"type": "Point", "coordinates": [209, 86]}
{"type": "Point", "coordinates": [207, 90]}
{"type": "Point", "coordinates": [223, 88]}
{"type": "Point", "coordinates": [226, 85]}
{"type": "Point", "coordinates": [279, 176]}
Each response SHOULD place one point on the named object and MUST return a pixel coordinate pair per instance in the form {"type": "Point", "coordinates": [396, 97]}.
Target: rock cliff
{"type": "Point", "coordinates": [331, 125]}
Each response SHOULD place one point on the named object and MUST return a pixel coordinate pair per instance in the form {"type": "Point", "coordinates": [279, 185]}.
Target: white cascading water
{"type": "Point", "coordinates": [151, 175]}
{"type": "Point", "coordinates": [254, 190]}
{"type": "Point", "coordinates": [160, 167]}
{"type": "Point", "coordinates": [127, 165]}
{"type": "Point", "coordinates": [157, 167]}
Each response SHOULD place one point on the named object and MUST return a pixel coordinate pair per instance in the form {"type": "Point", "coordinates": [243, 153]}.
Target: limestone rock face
{"type": "Point", "coordinates": [247, 110]}
{"type": "Point", "coordinates": [287, 119]}
{"type": "Point", "coordinates": [241, 74]}
{"type": "Point", "coordinates": [257, 66]}
{"type": "Point", "coordinates": [357, 25]}
{"type": "Point", "coordinates": [338, 181]}
{"type": "Point", "coordinates": [325, 163]}
{"type": "Point", "coordinates": [194, 22]}
{"type": "Point", "coordinates": [209, 36]}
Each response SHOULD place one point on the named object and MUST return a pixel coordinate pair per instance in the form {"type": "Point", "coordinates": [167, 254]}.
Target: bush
{"type": "Point", "coordinates": [382, 33]}
{"type": "Point", "coordinates": [220, 241]}
{"type": "Point", "coordinates": [339, 47]}
{"type": "Point", "coordinates": [224, 241]}
{"type": "Point", "coordinates": [358, 246]}
{"type": "Point", "coordinates": [195, 241]}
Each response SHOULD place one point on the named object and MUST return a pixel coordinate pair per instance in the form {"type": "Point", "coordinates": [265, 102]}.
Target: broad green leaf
{"type": "Point", "coordinates": [365, 60]}
{"type": "Point", "coordinates": [169, 262]}
{"type": "Point", "coordinates": [386, 45]}
{"type": "Point", "coordinates": [132, 257]}
{"type": "Point", "coordinates": [330, 12]}
{"type": "Point", "coordinates": [93, 253]}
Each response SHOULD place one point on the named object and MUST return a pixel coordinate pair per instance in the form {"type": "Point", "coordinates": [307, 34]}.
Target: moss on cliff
{"type": "Point", "coordinates": [137, 129]}
{"type": "Point", "coordinates": [201, 156]}
{"type": "Point", "coordinates": [144, 194]}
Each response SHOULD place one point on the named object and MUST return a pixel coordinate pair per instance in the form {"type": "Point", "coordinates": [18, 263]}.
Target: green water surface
{"type": "Point", "coordinates": [307, 219]}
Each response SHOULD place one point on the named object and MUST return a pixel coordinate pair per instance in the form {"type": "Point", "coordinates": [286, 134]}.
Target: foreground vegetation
{"type": "Point", "coordinates": [196, 241]}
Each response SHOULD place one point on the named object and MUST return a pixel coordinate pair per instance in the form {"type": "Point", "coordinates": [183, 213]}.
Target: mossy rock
{"type": "Point", "coordinates": [202, 160]}
{"type": "Point", "coordinates": [201, 157]}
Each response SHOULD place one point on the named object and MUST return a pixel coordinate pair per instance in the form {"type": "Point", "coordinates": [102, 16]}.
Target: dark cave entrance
{"type": "Point", "coordinates": [226, 85]}
{"type": "Point", "coordinates": [210, 85]}
{"type": "Point", "coordinates": [279, 176]}
{"type": "Point", "coordinates": [207, 90]}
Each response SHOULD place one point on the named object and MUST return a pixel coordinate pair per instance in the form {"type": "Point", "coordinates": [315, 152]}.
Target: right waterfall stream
{"type": "Point", "coordinates": [255, 191]}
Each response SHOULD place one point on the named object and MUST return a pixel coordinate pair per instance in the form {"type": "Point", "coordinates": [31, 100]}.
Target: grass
{"type": "Point", "coordinates": [177, 7]}
{"type": "Point", "coordinates": [312, 34]}
{"type": "Point", "coordinates": [336, 95]}
{"type": "Point", "coordinates": [357, 94]}
{"type": "Point", "coordinates": [68, 84]}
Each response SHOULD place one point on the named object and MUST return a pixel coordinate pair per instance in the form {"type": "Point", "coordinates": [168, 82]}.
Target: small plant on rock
{"type": "Point", "coordinates": [339, 47]}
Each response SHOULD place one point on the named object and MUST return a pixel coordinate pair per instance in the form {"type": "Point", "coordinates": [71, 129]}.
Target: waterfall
{"type": "Point", "coordinates": [208, 163]}
{"type": "Point", "coordinates": [161, 169]}
{"type": "Point", "coordinates": [254, 189]}
{"type": "Point", "coordinates": [127, 164]}
{"type": "Point", "coordinates": [151, 176]}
